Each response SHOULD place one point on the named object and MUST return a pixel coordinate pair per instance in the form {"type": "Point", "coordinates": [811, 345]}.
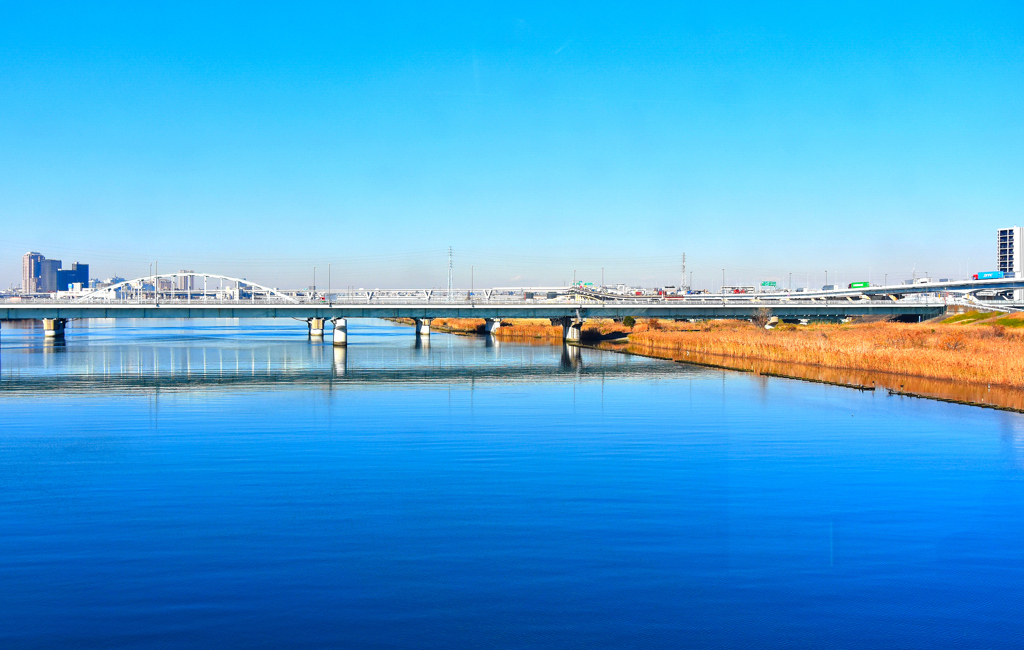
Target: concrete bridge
{"type": "Point", "coordinates": [568, 306]}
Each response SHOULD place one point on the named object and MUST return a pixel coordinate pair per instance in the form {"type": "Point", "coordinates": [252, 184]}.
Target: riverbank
{"type": "Point", "coordinates": [965, 349]}
{"type": "Point", "coordinates": [972, 358]}
{"type": "Point", "coordinates": [529, 328]}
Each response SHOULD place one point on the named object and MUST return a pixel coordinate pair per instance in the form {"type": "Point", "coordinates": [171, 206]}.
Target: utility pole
{"type": "Point", "coordinates": [449, 274]}
{"type": "Point", "coordinates": [314, 283]}
{"type": "Point", "coordinates": [602, 278]}
{"type": "Point", "coordinates": [329, 299]}
{"type": "Point", "coordinates": [471, 283]}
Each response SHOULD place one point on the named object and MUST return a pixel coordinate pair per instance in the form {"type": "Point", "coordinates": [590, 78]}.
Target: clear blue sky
{"type": "Point", "coordinates": [261, 140]}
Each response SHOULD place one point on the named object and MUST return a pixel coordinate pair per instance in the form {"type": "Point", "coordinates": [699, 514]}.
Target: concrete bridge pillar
{"type": "Point", "coordinates": [422, 326]}
{"type": "Point", "coordinates": [572, 328]}
{"type": "Point", "coordinates": [491, 325]}
{"type": "Point", "coordinates": [316, 326]}
{"type": "Point", "coordinates": [340, 332]}
{"type": "Point", "coordinates": [53, 328]}
{"type": "Point", "coordinates": [572, 332]}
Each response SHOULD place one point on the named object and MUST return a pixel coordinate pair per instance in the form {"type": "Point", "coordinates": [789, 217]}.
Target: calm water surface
{"type": "Point", "coordinates": [218, 485]}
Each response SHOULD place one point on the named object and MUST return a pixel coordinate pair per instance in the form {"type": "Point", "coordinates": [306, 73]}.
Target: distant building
{"type": "Point", "coordinates": [78, 273]}
{"type": "Point", "coordinates": [30, 269]}
{"type": "Point", "coordinates": [40, 275]}
{"type": "Point", "coordinates": [47, 282]}
{"type": "Point", "coordinates": [1009, 256]}
{"type": "Point", "coordinates": [186, 282]}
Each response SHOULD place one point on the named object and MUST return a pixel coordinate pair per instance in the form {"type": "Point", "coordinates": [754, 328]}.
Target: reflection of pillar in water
{"type": "Point", "coordinates": [316, 354]}
{"type": "Point", "coordinates": [422, 342]}
{"type": "Point", "coordinates": [571, 357]}
{"type": "Point", "coordinates": [54, 345]}
{"type": "Point", "coordinates": [340, 360]}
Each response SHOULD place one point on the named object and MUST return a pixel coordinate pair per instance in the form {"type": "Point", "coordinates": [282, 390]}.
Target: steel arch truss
{"type": "Point", "coordinates": [114, 291]}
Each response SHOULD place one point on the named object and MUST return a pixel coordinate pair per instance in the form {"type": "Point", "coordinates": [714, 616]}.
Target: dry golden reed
{"type": "Point", "coordinates": [980, 354]}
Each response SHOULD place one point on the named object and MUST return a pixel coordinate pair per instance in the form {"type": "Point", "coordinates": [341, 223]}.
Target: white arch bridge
{"type": "Point", "coordinates": [182, 286]}
{"type": "Point", "coordinates": [179, 295]}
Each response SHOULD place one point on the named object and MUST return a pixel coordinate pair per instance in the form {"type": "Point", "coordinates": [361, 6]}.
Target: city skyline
{"type": "Point", "coordinates": [865, 141]}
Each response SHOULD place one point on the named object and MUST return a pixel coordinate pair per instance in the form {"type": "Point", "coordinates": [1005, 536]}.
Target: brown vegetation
{"type": "Point", "coordinates": [974, 353]}
{"type": "Point", "coordinates": [975, 348]}
{"type": "Point", "coordinates": [521, 328]}
{"type": "Point", "coordinates": [527, 328]}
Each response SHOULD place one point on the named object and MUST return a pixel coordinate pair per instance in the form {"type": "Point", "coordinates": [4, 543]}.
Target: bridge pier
{"type": "Point", "coordinates": [572, 328]}
{"type": "Point", "coordinates": [53, 328]}
{"type": "Point", "coordinates": [316, 327]}
{"type": "Point", "coordinates": [491, 325]}
{"type": "Point", "coordinates": [422, 326]}
{"type": "Point", "coordinates": [340, 332]}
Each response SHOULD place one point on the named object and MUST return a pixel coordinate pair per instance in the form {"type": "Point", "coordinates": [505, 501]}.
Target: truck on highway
{"type": "Point", "coordinates": [988, 275]}
{"type": "Point", "coordinates": [859, 285]}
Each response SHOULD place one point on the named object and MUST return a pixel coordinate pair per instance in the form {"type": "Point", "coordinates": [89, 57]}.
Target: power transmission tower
{"type": "Point", "coordinates": [449, 274]}
{"type": "Point", "coordinates": [682, 282]}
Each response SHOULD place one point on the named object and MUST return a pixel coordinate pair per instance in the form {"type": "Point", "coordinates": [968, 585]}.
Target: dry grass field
{"type": "Point", "coordinates": [972, 348]}
{"type": "Point", "coordinates": [975, 347]}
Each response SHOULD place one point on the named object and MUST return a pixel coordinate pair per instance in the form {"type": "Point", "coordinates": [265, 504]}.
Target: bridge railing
{"type": "Point", "coordinates": [383, 300]}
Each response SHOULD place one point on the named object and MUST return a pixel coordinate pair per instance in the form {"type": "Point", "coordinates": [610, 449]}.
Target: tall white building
{"type": "Point", "coordinates": [1009, 256]}
{"type": "Point", "coordinates": [30, 270]}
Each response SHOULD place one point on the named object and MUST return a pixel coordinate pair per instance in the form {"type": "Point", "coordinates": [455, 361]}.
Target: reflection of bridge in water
{"type": "Point", "coordinates": [191, 365]}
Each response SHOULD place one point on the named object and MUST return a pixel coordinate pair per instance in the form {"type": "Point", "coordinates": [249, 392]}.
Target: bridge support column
{"type": "Point", "coordinates": [572, 329]}
{"type": "Point", "coordinates": [491, 325]}
{"type": "Point", "coordinates": [340, 332]}
{"type": "Point", "coordinates": [422, 326]}
{"type": "Point", "coordinates": [53, 328]}
{"type": "Point", "coordinates": [316, 326]}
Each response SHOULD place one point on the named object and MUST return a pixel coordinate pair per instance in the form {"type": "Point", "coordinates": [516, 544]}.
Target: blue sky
{"type": "Point", "coordinates": [263, 140]}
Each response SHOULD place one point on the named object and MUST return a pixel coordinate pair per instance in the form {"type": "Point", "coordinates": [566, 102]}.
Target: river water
{"type": "Point", "coordinates": [226, 485]}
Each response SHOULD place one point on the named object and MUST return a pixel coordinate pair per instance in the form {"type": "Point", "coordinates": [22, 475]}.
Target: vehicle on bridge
{"type": "Point", "coordinates": [859, 285]}
{"type": "Point", "coordinates": [988, 275]}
